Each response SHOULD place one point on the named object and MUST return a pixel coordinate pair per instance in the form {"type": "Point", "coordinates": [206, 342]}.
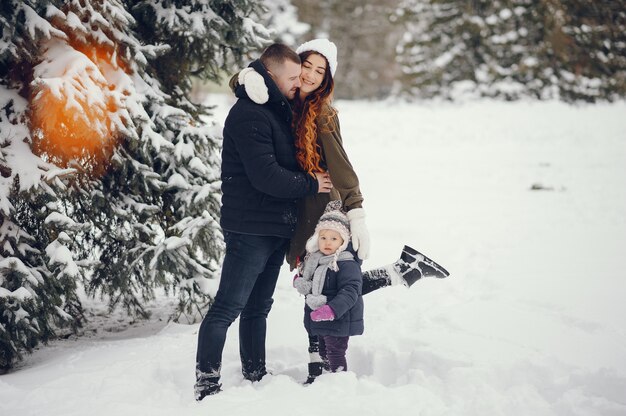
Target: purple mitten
{"type": "Point", "coordinates": [323, 313]}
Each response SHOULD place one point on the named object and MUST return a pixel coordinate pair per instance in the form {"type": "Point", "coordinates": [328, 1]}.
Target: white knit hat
{"type": "Point", "coordinates": [333, 218]}
{"type": "Point", "coordinates": [324, 47]}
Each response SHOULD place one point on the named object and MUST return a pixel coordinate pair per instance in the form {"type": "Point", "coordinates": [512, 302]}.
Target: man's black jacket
{"type": "Point", "coordinates": [261, 179]}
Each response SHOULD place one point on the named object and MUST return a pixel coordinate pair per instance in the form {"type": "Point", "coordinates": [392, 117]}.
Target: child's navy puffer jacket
{"type": "Point", "coordinates": [343, 290]}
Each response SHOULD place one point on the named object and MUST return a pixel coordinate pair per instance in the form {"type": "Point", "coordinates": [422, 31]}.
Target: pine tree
{"type": "Point", "coordinates": [515, 65]}
{"type": "Point", "coordinates": [163, 190]}
{"type": "Point", "coordinates": [38, 296]}
{"type": "Point", "coordinates": [38, 271]}
{"type": "Point", "coordinates": [365, 38]}
{"type": "Point", "coordinates": [441, 46]}
{"type": "Point", "coordinates": [595, 50]}
{"type": "Point", "coordinates": [105, 164]}
{"type": "Point", "coordinates": [567, 49]}
{"type": "Point", "coordinates": [282, 17]}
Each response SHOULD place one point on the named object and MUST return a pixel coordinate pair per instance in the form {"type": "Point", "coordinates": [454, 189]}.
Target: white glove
{"type": "Point", "coordinates": [255, 85]}
{"type": "Point", "coordinates": [360, 235]}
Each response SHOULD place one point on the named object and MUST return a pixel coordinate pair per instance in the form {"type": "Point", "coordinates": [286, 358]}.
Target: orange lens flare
{"type": "Point", "coordinates": [77, 130]}
{"type": "Point", "coordinates": [68, 133]}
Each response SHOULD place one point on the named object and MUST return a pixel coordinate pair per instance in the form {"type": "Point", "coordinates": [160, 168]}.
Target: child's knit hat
{"type": "Point", "coordinates": [334, 218]}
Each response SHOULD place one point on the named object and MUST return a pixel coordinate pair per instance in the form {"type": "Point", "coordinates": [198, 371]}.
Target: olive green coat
{"type": "Point", "coordinates": [345, 187]}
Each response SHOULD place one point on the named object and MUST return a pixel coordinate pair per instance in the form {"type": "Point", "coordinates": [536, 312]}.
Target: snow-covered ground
{"type": "Point", "coordinates": [531, 321]}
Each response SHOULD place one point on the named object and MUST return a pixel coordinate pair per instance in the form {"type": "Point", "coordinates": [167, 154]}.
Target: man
{"type": "Point", "coordinates": [261, 182]}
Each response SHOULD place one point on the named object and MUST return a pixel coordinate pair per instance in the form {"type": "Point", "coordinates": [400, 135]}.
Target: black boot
{"type": "Point", "coordinates": [255, 375]}
{"type": "Point", "coordinates": [207, 384]}
{"type": "Point", "coordinates": [413, 265]}
{"type": "Point", "coordinates": [315, 370]}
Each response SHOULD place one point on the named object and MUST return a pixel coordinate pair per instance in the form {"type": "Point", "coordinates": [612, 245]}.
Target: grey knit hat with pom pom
{"type": "Point", "coordinates": [334, 218]}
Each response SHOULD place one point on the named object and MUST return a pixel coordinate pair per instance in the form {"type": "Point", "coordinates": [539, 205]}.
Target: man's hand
{"type": "Point", "coordinates": [323, 182]}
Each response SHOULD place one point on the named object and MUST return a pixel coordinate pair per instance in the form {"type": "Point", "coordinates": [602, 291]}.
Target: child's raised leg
{"type": "Point", "coordinates": [411, 267]}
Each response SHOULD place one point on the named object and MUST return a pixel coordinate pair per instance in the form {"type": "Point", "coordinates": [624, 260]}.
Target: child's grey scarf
{"type": "Point", "coordinates": [315, 267]}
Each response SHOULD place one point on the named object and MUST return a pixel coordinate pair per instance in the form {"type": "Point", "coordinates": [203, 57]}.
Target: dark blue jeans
{"type": "Point", "coordinates": [249, 275]}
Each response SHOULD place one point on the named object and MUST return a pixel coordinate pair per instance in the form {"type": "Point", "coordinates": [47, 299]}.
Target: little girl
{"type": "Point", "coordinates": [330, 278]}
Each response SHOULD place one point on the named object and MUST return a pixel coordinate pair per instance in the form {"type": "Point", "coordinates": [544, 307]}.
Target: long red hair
{"type": "Point", "coordinates": [305, 120]}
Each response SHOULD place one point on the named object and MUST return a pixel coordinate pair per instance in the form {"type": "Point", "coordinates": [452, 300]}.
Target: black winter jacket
{"type": "Point", "coordinates": [343, 290]}
{"type": "Point", "coordinates": [261, 179]}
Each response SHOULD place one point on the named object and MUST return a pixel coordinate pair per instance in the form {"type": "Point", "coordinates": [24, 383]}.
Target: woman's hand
{"type": "Point", "coordinates": [323, 182]}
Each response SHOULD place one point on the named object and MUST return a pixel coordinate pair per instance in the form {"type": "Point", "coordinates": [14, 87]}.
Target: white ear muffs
{"type": "Point", "coordinates": [254, 84]}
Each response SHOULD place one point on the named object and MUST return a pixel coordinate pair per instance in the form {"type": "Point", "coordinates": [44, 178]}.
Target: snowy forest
{"type": "Point", "coordinates": [109, 171]}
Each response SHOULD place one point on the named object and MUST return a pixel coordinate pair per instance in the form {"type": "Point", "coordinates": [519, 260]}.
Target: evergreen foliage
{"type": "Point", "coordinates": [567, 49]}
{"type": "Point", "coordinates": [38, 274]}
{"type": "Point", "coordinates": [140, 212]}
{"type": "Point", "coordinates": [365, 37]}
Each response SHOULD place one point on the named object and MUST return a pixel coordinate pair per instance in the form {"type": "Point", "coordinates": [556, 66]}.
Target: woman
{"type": "Point", "coordinates": [319, 148]}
